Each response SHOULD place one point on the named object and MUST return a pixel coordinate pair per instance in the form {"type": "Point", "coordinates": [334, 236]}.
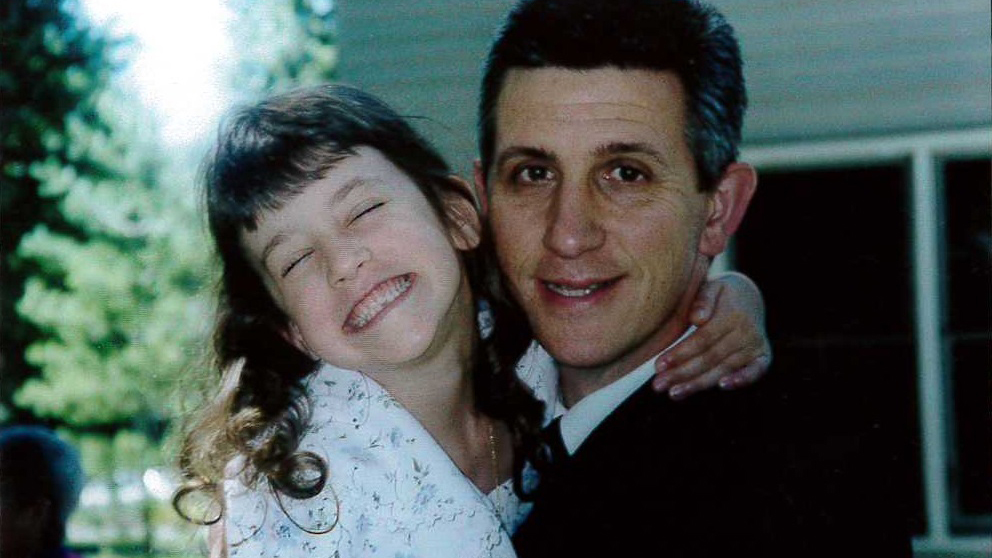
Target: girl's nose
{"type": "Point", "coordinates": [348, 260]}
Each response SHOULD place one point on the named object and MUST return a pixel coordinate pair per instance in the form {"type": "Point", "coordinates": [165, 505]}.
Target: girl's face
{"type": "Point", "coordinates": [367, 274]}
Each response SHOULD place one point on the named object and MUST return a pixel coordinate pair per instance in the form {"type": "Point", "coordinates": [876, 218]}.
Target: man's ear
{"type": "Point", "coordinates": [481, 193]}
{"type": "Point", "coordinates": [464, 225]}
{"type": "Point", "coordinates": [727, 207]}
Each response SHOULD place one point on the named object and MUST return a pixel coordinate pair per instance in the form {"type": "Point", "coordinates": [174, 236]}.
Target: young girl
{"type": "Point", "coordinates": [362, 410]}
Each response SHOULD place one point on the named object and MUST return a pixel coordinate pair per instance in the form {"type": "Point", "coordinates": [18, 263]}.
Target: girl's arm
{"type": "Point", "coordinates": [216, 540]}
{"type": "Point", "coordinates": [730, 348]}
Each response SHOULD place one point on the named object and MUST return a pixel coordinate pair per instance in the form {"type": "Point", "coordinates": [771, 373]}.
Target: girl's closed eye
{"type": "Point", "coordinates": [295, 262]}
{"type": "Point", "coordinates": [366, 209]}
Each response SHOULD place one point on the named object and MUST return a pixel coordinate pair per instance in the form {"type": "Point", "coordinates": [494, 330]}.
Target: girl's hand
{"type": "Point", "coordinates": [730, 348]}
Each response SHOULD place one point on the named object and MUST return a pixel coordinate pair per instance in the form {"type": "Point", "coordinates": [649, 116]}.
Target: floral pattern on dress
{"type": "Point", "coordinates": [392, 491]}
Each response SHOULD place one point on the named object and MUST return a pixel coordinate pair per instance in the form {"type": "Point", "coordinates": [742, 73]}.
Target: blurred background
{"type": "Point", "coordinates": [871, 236]}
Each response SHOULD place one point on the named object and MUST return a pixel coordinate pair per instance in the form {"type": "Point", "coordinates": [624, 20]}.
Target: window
{"type": "Point", "coordinates": [875, 258]}
{"type": "Point", "coordinates": [831, 251]}
{"type": "Point", "coordinates": [967, 189]}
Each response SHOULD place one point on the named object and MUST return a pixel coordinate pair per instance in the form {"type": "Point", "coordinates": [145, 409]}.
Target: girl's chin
{"type": "Point", "coordinates": [392, 348]}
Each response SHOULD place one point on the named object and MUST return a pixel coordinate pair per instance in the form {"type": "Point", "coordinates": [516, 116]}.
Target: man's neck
{"type": "Point", "coordinates": [577, 382]}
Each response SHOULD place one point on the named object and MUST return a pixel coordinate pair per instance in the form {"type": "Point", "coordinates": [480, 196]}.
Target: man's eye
{"type": "Point", "coordinates": [533, 174]}
{"type": "Point", "coordinates": [625, 173]}
{"type": "Point", "coordinates": [368, 210]}
{"type": "Point", "coordinates": [292, 265]}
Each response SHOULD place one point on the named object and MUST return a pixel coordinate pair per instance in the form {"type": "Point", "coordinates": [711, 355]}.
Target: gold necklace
{"type": "Point", "coordinates": [492, 454]}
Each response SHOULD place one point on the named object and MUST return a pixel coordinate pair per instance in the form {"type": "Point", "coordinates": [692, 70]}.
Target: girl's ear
{"type": "Point", "coordinates": [464, 225]}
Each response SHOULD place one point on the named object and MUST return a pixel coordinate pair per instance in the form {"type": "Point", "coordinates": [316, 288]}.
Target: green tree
{"type": "Point", "coordinates": [110, 259]}
{"type": "Point", "coordinates": [112, 287]}
{"type": "Point", "coordinates": [53, 65]}
{"type": "Point", "coordinates": [283, 44]}
{"type": "Point", "coordinates": [119, 303]}
{"type": "Point", "coordinates": [104, 260]}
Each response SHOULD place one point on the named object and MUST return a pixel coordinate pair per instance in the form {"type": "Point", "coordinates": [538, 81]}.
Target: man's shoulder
{"type": "Point", "coordinates": [697, 450]}
{"type": "Point", "coordinates": [661, 470]}
{"type": "Point", "coordinates": [711, 418]}
{"type": "Point", "coordinates": [666, 470]}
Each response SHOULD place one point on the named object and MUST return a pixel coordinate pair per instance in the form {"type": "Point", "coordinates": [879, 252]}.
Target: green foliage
{"type": "Point", "coordinates": [53, 65]}
{"type": "Point", "coordinates": [104, 261]}
{"type": "Point", "coordinates": [118, 304]}
{"type": "Point", "coordinates": [283, 44]}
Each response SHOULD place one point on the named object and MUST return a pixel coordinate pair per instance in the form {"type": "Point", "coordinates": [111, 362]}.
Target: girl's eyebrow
{"type": "Point", "coordinates": [336, 198]}
{"type": "Point", "coordinates": [270, 246]}
{"type": "Point", "coordinates": [346, 189]}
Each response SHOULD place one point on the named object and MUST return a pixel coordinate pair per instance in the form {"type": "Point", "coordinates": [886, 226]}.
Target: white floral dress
{"type": "Point", "coordinates": [392, 490]}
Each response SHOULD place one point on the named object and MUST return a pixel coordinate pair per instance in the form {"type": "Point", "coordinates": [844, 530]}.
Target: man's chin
{"type": "Point", "coordinates": [600, 354]}
{"type": "Point", "coordinates": [580, 353]}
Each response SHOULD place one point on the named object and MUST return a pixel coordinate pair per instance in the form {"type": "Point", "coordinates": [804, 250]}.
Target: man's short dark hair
{"type": "Point", "coordinates": [686, 37]}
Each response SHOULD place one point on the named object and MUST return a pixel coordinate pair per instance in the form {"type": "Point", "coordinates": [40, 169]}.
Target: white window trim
{"type": "Point", "coordinates": [922, 151]}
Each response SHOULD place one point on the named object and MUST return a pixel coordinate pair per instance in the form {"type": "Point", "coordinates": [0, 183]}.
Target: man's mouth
{"type": "Point", "coordinates": [377, 300]}
{"type": "Point", "coordinates": [577, 291]}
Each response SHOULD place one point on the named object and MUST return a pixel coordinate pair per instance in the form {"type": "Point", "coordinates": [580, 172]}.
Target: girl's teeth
{"type": "Point", "coordinates": [377, 300]}
{"type": "Point", "coordinates": [570, 292]}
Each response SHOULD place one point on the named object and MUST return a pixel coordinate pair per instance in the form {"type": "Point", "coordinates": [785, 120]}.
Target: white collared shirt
{"type": "Point", "coordinates": [582, 418]}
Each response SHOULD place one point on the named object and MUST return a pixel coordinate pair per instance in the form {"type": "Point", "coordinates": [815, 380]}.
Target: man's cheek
{"type": "Point", "coordinates": [509, 255]}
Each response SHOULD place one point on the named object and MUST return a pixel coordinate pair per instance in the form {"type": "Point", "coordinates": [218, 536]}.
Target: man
{"type": "Point", "coordinates": [608, 145]}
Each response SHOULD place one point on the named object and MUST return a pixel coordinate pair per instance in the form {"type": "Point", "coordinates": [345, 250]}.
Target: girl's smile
{"type": "Point", "coordinates": [378, 301]}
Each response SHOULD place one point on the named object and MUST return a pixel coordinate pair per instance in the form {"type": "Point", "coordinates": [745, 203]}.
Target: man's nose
{"type": "Point", "coordinates": [347, 259]}
{"type": "Point", "coordinates": [573, 227]}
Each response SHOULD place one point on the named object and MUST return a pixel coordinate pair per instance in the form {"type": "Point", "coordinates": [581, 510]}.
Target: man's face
{"type": "Point", "coordinates": [596, 212]}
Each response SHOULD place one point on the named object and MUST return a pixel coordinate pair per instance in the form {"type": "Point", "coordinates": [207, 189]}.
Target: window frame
{"type": "Point", "coordinates": [924, 153]}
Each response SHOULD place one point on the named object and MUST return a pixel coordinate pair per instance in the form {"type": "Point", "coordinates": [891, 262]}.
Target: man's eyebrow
{"type": "Point", "coordinates": [524, 152]}
{"type": "Point", "coordinates": [624, 148]}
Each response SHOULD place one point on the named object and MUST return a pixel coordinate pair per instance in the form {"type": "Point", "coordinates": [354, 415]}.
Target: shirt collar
{"type": "Point", "coordinates": [582, 418]}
